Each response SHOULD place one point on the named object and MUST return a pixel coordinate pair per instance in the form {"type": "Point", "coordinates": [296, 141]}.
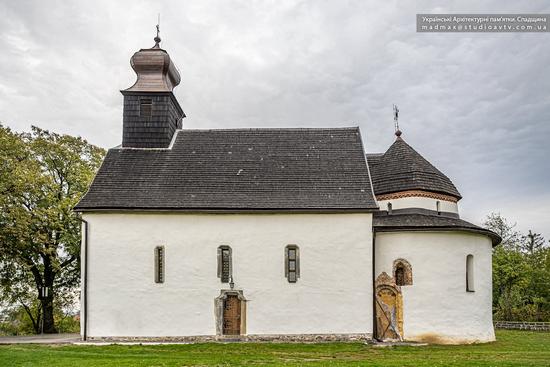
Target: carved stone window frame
{"type": "Point", "coordinates": [218, 309]}
{"type": "Point", "coordinates": [220, 263]}
{"type": "Point", "coordinates": [296, 248]}
{"type": "Point", "coordinates": [408, 276]}
{"type": "Point", "coordinates": [160, 264]}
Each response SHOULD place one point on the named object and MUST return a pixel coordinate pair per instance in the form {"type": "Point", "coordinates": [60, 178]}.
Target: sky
{"type": "Point", "coordinates": [476, 105]}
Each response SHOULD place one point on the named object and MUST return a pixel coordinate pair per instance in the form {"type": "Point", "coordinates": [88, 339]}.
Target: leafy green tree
{"type": "Point", "coordinates": [537, 256]}
{"type": "Point", "coordinates": [42, 177]}
{"type": "Point", "coordinates": [510, 279]}
{"type": "Point", "coordinates": [521, 273]}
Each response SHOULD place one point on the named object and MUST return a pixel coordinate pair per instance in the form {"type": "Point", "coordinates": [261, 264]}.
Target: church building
{"type": "Point", "coordinates": [292, 234]}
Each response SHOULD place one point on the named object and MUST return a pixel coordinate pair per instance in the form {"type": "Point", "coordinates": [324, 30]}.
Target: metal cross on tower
{"type": "Point", "coordinates": [396, 120]}
{"type": "Point", "coordinates": [158, 25]}
{"type": "Point", "coordinates": [157, 38]}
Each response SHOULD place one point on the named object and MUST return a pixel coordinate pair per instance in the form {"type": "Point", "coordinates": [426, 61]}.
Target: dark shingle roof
{"type": "Point", "coordinates": [403, 168]}
{"type": "Point", "coordinates": [254, 169]}
{"type": "Point", "coordinates": [422, 221]}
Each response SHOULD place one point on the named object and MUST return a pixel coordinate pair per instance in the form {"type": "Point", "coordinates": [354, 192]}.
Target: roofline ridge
{"type": "Point", "coordinates": [275, 128]}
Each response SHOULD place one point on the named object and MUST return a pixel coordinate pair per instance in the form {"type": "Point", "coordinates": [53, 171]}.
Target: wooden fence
{"type": "Point", "coordinates": [521, 325]}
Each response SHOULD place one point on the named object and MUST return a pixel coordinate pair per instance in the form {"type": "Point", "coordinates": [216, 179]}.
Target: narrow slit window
{"type": "Point", "coordinates": [470, 273]}
{"type": "Point", "coordinates": [159, 264]}
{"type": "Point", "coordinates": [224, 264]}
{"type": "Point", "coordinates": [400, 275]}
{"type": "Point", "coordinates": [292, 263]}
{"type": "Point", "coordinates": [145, 107]}
{"type": "Point", "coordinates": [438, 207]}
{"type": "Point", "coordinates": [389, 208]}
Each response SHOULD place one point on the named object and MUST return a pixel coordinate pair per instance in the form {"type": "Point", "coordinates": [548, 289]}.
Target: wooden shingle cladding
{"type": "Point", "coordinates": [150, 119]}
{"type": "Point", "coordinates": [238, 169]}
{"type": "Point", "coordinates": [401, 168]}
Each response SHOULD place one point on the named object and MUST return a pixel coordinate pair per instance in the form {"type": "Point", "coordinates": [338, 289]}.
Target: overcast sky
{"type": "Point", "coordinates": [476, 105]}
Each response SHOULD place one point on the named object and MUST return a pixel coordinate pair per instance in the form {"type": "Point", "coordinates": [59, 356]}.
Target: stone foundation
{"type": "Point", "coordinates": [287, 338]}
{"type": "Point", "coordinates": [309, 338]}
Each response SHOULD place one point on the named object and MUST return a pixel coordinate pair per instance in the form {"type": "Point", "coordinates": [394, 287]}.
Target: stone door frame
{"type": "Point", "coordinates": [384, 281]}
{"type": "Point", "coordinates": [218, 310]}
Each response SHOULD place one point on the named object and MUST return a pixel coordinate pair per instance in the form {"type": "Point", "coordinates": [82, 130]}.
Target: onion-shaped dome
{"type": "Point", "coordinates": [155, 70]}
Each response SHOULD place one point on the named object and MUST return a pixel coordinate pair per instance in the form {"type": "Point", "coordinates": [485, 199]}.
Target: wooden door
{"type": "Point", "coordinates": [232, 315]}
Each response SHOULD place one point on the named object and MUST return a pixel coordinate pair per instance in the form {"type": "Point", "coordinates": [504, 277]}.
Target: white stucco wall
{"type": "Point", "coordinates": [333, 294]}
{"type": "Point", "coordinates": [437, 307]}
{"type": "Point", "coordinates": [419, 202]}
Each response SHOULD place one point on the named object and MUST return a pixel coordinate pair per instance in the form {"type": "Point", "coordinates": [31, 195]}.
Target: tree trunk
{"type": "Point", "coordinates": [47, 299]}
{"type": "Point", "coordinates": [47, 317]}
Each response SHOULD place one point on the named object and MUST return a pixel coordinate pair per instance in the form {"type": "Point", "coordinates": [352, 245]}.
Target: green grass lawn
{"type": "Point", "coordinates": [513, 348]}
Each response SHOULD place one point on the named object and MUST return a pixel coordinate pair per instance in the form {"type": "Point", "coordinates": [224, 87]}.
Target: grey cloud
{"type": "Point", "coordinates": [476, 105]}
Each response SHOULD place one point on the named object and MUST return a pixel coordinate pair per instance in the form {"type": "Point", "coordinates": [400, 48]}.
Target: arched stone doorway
{"type": "Point", "coordinates": [388, 309]}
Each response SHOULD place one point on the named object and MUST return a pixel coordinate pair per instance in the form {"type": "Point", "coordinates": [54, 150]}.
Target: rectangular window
{"type": "Point", "coordinates": [159, 264]}
{"type": "Point", "coordinates": [292, 263]}
{"type": "Point", "coordinates": [224, 264]}
{"type": "Point", "coordinates": [145, 107]}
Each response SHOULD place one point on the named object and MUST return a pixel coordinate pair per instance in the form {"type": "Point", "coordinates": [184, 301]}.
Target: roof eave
{"type": "Point", "coordinates": [224, 210]}
{"type": "Point", "coordinates": [495, 238]}
{"type": "Point", "coordinates": [387, 192]}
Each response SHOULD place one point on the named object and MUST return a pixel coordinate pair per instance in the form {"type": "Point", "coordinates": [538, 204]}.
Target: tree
{"type": "Point", "coordinates": [537, 256]}
{"type": "Point", "coordinates": [510, 280]}
{"type": "Point", "coordinates": [511, 238]}
{"type": "Point", "coordinates": [521, 273]}
{"type": "Point", "coordinates": [42, 177]}
{"type": "Point", "coordinates": [532, 243]}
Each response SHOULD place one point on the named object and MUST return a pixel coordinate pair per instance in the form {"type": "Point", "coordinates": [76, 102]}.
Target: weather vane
{"type": "Point", "coordinates": [396, 120]}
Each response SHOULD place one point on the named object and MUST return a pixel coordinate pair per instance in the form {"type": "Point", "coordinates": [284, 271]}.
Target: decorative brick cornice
{"type": "Point", "coordinates": [416, 193]}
